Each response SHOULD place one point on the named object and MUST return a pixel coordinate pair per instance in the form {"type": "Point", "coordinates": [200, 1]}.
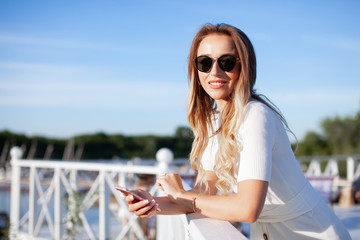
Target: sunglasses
{"type": "Point", "coordinates": [225, 62]}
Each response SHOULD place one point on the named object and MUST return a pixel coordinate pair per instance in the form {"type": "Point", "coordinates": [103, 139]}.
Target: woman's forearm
{"type": "Point", "coordinates": [224, 207]}
{"type": "Point", "coordinates": [169, 207]}
{"type": "Point", "coordinates": [190, 201]}
{"type": "Point", "coordinates": [232, 207]}
{"type": "Point", "coordinates": [246, 205]}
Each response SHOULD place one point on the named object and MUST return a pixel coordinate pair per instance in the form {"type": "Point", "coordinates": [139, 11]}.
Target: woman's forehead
{"type": "Point", "coordinates": [215, 44]}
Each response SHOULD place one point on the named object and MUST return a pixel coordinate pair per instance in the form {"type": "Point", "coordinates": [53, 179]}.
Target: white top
{"type": "Point", "coordinates": [267, 156]}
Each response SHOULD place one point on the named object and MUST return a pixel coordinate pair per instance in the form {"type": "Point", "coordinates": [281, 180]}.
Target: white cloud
{"type": "Point", "coordinates": [342, 42]}
{"type": "Point", "coordinates": [31, 40]}
{"type": "Point", "coordinates": [98, 95]}
{"type": "Point", "coordinates": [37, 67]}
{"type": "Point", "coordinates": [38, 84]}
{"type": "Point", "coordinates": [318, 96]}
{"type": "Point", "coordinates": [73, 44]}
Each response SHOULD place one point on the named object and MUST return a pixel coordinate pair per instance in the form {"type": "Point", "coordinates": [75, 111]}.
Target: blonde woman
{"type": "Point", "coordinates": [246, 168]}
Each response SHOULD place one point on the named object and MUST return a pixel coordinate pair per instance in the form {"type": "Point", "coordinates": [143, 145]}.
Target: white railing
{"type": "Point", "coordinates": [324, 175]}
{"type": "Point", "coordinates": [46, 206]}
{"type": "Point", "coordinates": [49, 182]}
{"type": "Point", "coordinates": [198, 227]}
{"type": "Point", "coordinates": [332, 168]}
{"type": "Point", "coordinates": [195, 226]}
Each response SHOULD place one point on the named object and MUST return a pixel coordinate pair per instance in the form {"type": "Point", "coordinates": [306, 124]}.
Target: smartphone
{"type": "Point", "coordinates": [126, 192]}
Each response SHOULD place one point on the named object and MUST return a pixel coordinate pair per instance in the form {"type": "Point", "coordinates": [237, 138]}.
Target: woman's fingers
{"type": "Point", "coordinates": [136, 206]}
{"type": "Point", "coordinates": [171, 184]}
{"type": "Point", "coordinates": [129, 199]}
{"type": "Point", "coordinates": [151, 212]}
{"type": "Point", "coordinates": [145, 208]}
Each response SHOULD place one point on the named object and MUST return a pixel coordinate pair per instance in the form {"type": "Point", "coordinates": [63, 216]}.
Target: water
{"type": "Point", "coordinates": [5, 200]}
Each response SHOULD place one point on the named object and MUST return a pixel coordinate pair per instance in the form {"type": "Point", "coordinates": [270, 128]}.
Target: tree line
{"type": "Point", "coordinates": [98, 146]}
{"type": "Point", "coordinates": [338, 136]}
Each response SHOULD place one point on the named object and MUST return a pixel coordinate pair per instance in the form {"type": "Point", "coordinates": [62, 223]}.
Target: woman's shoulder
{"type": "Point", "coordinates": [255, 107]}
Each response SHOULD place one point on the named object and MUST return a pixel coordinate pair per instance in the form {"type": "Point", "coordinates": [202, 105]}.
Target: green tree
{"type": "Point", "coordinates": [183, 141]}
{"type": "Point", "coordinates": [312, 143]}
{"type": "Point", "coordinates": [103, 146]}
{"type": "Point", "coordinates": [342, 134]}
{"type": "Point", "coordinates": [339, 136]}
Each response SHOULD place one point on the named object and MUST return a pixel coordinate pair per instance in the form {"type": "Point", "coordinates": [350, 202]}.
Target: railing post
{"type": "Point", "coordinates": [164, 157]}
{"type": "Point", "coordinates": [104, 216]}
{"type": "Point", "coordinates": [314, 168]}
{"type": "Point", "coordinates": [357, 169]}
{"type": "Point", "coordinates": [332, 168]}
{"type": "Point", "coordinates": [32, 200]}
{"type": "Point", "coordinates": [165, 224]}
{"type": "Point", "coordinates": [57, 205]}
{"type": "Point", "coordinates": [350, 169]}
{"type": "Point", "coordinates": [15, 154]}
{"type": "Point", "coordinates": [122, 182]}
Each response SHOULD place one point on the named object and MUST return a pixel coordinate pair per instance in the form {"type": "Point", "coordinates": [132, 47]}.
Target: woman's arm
{"type": "Point", "coordinates": [258, 139]}
{"type": "Point", "coordinates": [163, 205]}
{"type": "Point", "coordinates": [169, 206]}
{"type": "Point", "coordinates": [246, 205]}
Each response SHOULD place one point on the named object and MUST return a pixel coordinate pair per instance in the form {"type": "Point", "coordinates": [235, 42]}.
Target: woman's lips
{"type": "Point", "coordinates": [217, 84]}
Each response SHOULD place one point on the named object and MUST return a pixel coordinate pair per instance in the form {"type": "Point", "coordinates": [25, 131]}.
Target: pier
{"type": "Point", "coordinates": [79, 199]}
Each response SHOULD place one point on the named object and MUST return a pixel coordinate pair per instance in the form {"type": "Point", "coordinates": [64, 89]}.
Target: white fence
{"type": "Point", "coordinates": [332, 168]}
{"type": "Point", "coordinates": [53, 186]}
{"type": "Point", "coordinates": [324, 175]}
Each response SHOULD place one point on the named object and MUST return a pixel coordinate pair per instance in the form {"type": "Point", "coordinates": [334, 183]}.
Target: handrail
{"type": "Point", "coordinates": [64, 182]}
{"type": "Point", "coordinates": [199, 227]}
{"type": "Point", "coordinates": [87, 166]}
{"type": "Point", "coordinates": [327, 181]}
{"type": "Point", "coordinates": [332, 166]}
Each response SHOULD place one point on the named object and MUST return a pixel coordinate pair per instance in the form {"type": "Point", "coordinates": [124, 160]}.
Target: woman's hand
{"type": "Point", "coordinates": [171, 184]}
{"type": "Point", "coordinates": [145, 208]}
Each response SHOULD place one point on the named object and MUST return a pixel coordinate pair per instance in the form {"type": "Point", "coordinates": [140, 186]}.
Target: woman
{"type": "Point", "coordinates": [241, 150]}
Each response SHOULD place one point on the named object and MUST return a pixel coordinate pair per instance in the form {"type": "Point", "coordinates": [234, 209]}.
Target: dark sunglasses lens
{"type": "Point", "coordinates": [203, 63]}
{"type": "Point", "coordinates": [227, 62]}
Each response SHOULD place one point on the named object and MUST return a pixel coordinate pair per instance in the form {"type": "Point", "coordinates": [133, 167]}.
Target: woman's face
{"type": "Point", "coordinates": [217, 83]}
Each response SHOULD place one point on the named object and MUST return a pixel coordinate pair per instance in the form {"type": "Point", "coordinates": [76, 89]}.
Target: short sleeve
{"type": "Point", "coordinates": [257, 138]}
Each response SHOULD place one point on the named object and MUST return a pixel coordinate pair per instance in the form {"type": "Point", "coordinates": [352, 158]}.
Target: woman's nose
{"type": "Point", "coordinates": [215, 69]}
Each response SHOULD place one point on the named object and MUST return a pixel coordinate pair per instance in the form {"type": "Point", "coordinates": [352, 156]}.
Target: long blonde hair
{"type": "Point", "coordinates": [201, 109]}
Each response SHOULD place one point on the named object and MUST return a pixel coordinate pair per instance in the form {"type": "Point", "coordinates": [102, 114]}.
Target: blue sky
{"type": "Point", "coordinates": [78, 67]}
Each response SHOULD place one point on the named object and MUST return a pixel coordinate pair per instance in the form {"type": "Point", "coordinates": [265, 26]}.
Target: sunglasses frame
{"type": "Point", "coordinates": [216, 60]}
